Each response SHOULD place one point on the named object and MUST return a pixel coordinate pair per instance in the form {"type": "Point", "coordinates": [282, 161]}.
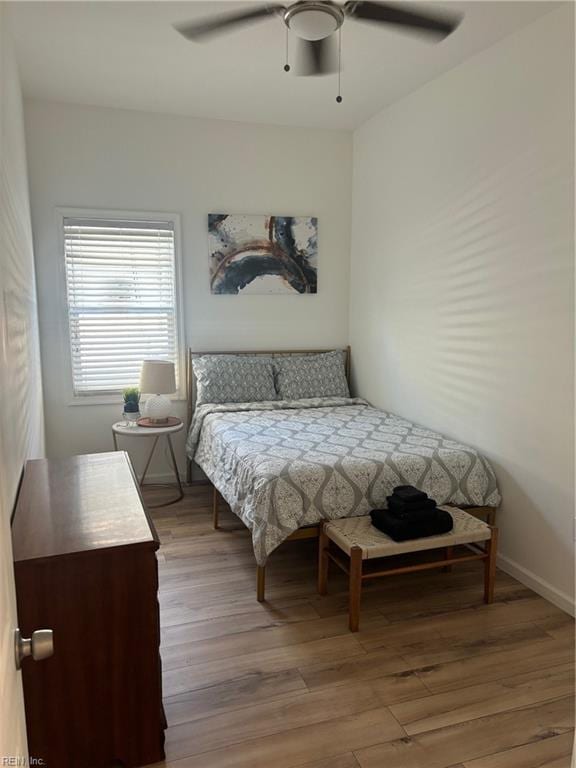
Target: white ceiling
{"type": "Point", "coordinates": [126, 54]}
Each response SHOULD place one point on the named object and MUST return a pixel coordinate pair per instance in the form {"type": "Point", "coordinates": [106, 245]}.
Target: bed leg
{"type": "Point", "coordinates": [448, 554]}
{"type": "Point", "coordinates": [490, 567]}
{"type": "Point", "coordinates": [260, 582]}
{"type": "Point", "coordinates": [355, 588]}
{"type": "Point", "coordinates": [323, 561]}
{"type": "Point", "coordinates": [215, 509]}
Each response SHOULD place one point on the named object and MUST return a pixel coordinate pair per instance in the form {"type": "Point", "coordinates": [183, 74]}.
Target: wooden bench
{"type": "Point", "coordinates": [360, 541]}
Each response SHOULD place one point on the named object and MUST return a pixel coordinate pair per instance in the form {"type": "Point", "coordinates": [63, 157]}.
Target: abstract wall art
{"type": "Point", "coordinates": [263, 254]}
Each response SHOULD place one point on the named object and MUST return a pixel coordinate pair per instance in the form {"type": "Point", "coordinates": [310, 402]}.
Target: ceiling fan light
{"type": "Point", "coordinates": [313, 23]}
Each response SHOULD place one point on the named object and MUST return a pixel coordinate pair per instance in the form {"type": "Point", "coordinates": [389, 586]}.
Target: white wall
{"type": "Point", "coordinates": [21, 422]}
{"type": "Point", "coordinates": [461, 308]}
{"type": "Point", "coordinates": [119, 159]}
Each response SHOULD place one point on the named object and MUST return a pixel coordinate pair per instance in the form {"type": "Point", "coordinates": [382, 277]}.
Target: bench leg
{"type": "Point", "coordinates": [448, 553]}
{"type": "Point", "coordinates": [355, 588]}
{"type": "Point", "coordinates": [260, 582]}
{"type": "Point", "coordinates": [323, 562]}
{"type": "Point", "coordinates": [215, 507]}
{"type": "Point", "coordinates": [490, 567]}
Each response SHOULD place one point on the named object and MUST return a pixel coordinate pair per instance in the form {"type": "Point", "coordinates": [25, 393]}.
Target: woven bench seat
{"type": "Point", "coordinates": [359, 532]}
{"type": "Point", "coordinates": [357, 538]}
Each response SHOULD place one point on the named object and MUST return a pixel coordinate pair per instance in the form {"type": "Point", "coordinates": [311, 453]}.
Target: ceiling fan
{"type": "Point", "coordinates": [315, 23]}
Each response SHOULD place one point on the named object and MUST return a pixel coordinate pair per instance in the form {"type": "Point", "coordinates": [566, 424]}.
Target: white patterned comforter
{"type": "Point", "coordinates": [284, 464]}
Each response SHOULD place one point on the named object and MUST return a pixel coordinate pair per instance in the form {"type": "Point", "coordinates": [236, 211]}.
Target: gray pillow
{"type": "Point", "coordinates": [233, 379]}
{"type": "Point", "coordinates": [302, 376]}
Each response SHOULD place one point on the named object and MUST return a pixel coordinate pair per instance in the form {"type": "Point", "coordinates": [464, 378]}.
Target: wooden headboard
{"type": "Point", "coordinates": [191, 379]}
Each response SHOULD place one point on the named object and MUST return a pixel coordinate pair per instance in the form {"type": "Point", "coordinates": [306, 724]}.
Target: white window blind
{"type": "Point", "coordinates": [121, 288]}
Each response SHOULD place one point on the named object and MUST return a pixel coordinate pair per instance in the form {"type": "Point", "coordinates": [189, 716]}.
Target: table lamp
{"type": "Point", "coordinates": [158, 379]}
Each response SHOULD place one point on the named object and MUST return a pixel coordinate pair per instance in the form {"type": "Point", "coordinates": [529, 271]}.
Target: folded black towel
{"type": "Point", "coordinates": [409, 493]}
{"type": "Point", "coordinates": [409, 511]}
{"type": "Point", "coordinates": [402, 530]}
{"type": "Point", "coordinates": [416, 504]}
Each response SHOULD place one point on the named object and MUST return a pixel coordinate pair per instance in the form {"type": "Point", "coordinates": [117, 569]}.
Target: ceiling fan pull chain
{"type": "Point", "coordinates": [339, 97]}
{"type": "Point", "coordinates": [287, 66]}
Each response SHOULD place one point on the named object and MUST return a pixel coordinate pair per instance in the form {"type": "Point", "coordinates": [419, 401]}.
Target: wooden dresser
{"type": "Point", "coordinates": [85, 567]}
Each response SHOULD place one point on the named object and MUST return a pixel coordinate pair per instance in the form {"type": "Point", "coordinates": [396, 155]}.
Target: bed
{"type": "Point", "coordinates": [283, 466]}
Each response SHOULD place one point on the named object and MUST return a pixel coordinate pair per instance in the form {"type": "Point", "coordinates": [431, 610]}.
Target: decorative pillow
{"type": "Point", "coordinates": [321, 375]}
{"type": "Point", "coordinates": [233, 379]}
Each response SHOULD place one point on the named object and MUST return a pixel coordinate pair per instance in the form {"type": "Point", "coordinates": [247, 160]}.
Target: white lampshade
{"type": "Point", "coordinates": [157, 377]}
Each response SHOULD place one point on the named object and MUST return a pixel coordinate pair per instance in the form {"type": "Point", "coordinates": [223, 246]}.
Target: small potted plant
{"type": "Point", "coordinates": [131, 405]}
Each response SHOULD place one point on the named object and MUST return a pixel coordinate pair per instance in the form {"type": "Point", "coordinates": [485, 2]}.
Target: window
{"type": "Point", "coordinates": [122, 309]}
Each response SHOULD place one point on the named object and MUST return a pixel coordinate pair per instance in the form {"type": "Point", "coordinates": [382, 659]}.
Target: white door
{"type": "Point", "coordinates": [12, 723]}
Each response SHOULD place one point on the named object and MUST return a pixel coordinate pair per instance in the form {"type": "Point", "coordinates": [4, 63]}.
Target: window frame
{"type": "Point", "coordinates": [63, 213]}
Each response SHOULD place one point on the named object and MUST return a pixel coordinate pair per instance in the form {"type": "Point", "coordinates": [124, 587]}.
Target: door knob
{"type": "Point", "coordinates": [39, 646]}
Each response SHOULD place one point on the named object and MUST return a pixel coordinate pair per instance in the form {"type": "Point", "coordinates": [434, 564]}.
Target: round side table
{"type": "Point", "coordinates": [155, 432]}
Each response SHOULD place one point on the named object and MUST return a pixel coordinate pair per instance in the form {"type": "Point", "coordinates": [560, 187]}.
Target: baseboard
{"type": "Point", "coordinates": [542, 587]}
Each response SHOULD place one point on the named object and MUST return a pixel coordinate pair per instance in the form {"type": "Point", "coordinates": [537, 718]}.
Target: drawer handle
{"type": "Point", "coordinates": [39, 646]}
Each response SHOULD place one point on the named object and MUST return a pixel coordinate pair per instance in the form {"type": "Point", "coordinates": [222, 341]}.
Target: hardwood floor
{"type": "Point", "coordinates": [434, 678]}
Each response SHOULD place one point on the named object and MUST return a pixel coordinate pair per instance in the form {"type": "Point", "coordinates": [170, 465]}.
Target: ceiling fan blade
{"type": "Point", "coordinates": [316, 57]}
{"type": "Point", "coordinates": [196, 30]}
{"type": "Point", "coordinates": [438, 24]}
